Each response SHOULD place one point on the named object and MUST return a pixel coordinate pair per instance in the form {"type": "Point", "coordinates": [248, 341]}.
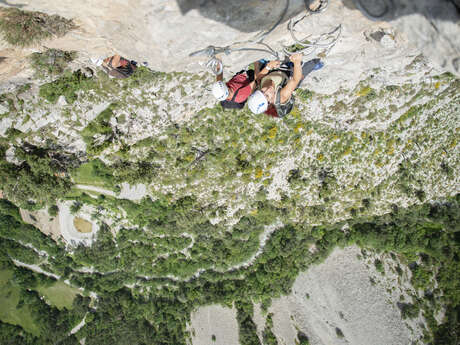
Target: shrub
{"type": "Point", "coordinates": [53, 210]}
{"type": "Point", "coordinates": [51, 62]}
{"type": "Point", "coordinates": [339, 333]}
{"type": "Point", "coordinates": [36, 182]}
{"type": "Point", "coordinates": [68, 85]}
{"type": "Point", "coordinates": [379, 266]}
{"type": "Point", "coordinates": [408, 310]}
{"type": "Point", "coordinates": [303, 339]}
{"type": "Point", "coordinates": [24, 28]}
{"type": "Point", "coordinates": [99, 126]}
{"type": "Point", "coordinates": [76, 206]}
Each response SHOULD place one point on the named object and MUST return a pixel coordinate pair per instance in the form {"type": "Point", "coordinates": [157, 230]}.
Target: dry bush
{"type": "Point", "coordinates": [24, 28]}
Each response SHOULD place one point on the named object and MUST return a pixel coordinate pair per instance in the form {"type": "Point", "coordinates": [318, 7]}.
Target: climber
{"type": "Point", "coordinates": [275, 85]}
{"type": "Point", "coordinates": [234, 93]}
{"type": "Point", "coordinates": [119, 67]}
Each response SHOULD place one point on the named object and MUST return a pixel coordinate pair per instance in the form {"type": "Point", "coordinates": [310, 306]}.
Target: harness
{"type": "Point", "coordinates": [282, 109]}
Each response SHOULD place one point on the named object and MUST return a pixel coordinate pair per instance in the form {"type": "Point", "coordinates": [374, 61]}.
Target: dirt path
{"type": "Point", "coordinates": [35, 268]}
{"type": "Point", "coordinates": [80, 325]}
{"type": "Point", "coordinates": [96, 189]}
{"type": "Point", "coordinates": [263, 238]}
{"type": "Point", "coordinates": [130, 192]}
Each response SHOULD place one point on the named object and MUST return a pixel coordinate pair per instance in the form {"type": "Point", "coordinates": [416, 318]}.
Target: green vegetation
{"type": "Point", "coordinates": [99, 126]}
{"type": "Point", "coordinates": [9, 298]}
{"type": "Point", "coordinates": [159, 315]}
{"type": "Point", "coordinates": [24, 28]}
{"type": "Point", "coordinates": [44, 324]}
{"type": "Point", "coordinates": [408, 310]}
{"type": "Point", "coordinates": [247, 327]}
{"type": "Point", "coordinates": [297, 47]}
{"type": "Point", "coordinates": [51, 62]}
{"type": "Point", "coordinates": [379, 266]}
{"type": "Point", "coordinates": [39, 179]}
{"type": "Point", "coordinates": [93, 173]}
{"type": "Point", "coordinates": [211, 195]}
{"type": "Point", "coordinates": [67, 85]}
{"type": "Point", "coordinates": [53, 210]}
{"type": "Point", "coordinates": [269, 337]}
{"type": "Point", "coordinates": [303, 339]}
{"type": "Point", "coordinates": [59, 294]}
{"type": "Point", "coordinates": [304, 94]}
{"type": "Point", "coordinates": [339, 333]}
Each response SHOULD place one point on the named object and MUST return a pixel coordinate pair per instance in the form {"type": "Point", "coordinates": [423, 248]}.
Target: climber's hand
{"type": "Point", "coordinates": [296, 58]}
{"type": "Point", "coordinates": [273, 64]}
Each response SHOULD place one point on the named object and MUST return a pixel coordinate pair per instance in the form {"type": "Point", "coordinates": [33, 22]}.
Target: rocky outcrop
{"type": "Point", "coordinates": [164, 33]}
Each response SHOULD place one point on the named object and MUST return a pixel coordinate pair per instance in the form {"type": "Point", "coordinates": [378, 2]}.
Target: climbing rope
{"type": "Point", "coordinates": [325, 41]}
{"type": "Point", "coordinates": [215, 65]}
{"type": "Point", "coordinates": [308, 47]}
{"type": "Point", "coordinates": [211, 51]}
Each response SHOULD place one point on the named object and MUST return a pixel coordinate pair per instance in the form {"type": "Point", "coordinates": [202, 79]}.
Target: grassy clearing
{"type": "Point", "coordinates": [9, 298]}
{"type": "Point", "coordinates": [25, 28]}
{"type": "Point", "coordinates": [92, 173]}
{"type": "Point", "coordinates": [59, 294]}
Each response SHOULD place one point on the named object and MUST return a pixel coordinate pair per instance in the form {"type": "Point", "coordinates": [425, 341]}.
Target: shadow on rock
{"type": "Point", "coordinates": [4, 2]}
{"type": "Point", "coordinates": [386, 10]}
{"type": "Point", "coordinates": [243, 15]}
{"type": "Point", "coordinates": [254, 15]}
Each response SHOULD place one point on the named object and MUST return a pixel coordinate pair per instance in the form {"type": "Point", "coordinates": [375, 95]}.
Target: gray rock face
{"type": "Point", "coordinates": [243, 15]}
{"type": "Point", "coordinates": [163, 33]}
{"type": "Point", "coordinates": [337, 303]}
{"type": "Point", "coordinates": [432, 26]}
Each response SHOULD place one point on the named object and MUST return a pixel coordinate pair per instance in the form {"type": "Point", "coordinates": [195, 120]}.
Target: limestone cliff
{"type": "Point", "coordinates": [155, 201]}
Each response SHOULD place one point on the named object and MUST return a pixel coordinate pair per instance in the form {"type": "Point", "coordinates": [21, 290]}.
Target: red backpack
{"type": "Point", "coordinates": [232, 104]}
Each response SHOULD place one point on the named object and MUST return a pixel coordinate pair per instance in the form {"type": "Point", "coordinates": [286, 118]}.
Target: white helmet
{"type": "Point", "coordinates": [257, 102]}
{"type": "Point", "coordinates": [220, 91]}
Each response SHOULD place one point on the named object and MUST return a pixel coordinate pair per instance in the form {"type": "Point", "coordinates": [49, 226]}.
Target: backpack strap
{"type": "Point", "coordinates": [236, 93]}
{"type": "Point", "coordinates": [238, 90]}
{"type": "Point", "coordinates": [110, 62]}
{"type": "Point", "coordinates": [285, 108]}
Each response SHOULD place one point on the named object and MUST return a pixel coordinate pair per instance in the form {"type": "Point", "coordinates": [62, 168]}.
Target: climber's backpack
{"type": "Point", "coordinates": [124, 71]}
{"type": "Point", "coordinates": [235, 105]}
